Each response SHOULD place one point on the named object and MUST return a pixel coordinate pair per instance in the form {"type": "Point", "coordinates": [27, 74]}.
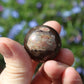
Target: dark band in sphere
{"type": "Point", "coordinates": [42, 43]}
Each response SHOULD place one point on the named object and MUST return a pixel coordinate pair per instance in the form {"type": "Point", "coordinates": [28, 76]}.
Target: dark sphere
{"type": "Point", "coordinates": [42, 43]}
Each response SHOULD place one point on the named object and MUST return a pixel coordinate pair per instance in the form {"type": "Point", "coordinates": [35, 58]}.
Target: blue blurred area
{"type": "Point", "coordinates": [18, 16]}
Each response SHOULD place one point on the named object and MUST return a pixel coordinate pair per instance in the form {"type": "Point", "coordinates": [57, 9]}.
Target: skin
{"type": "Point", "coordinates": [20, 67]}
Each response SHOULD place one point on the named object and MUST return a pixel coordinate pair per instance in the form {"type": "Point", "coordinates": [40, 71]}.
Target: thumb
{"type": "Point", "coordinates": [18, 68]}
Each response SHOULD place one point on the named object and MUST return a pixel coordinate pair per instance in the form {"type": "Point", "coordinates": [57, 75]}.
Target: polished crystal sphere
{"type": "Point", "coordinates": [42, 43]}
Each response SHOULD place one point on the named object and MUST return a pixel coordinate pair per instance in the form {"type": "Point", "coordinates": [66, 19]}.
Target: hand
{"type": "Point", "coordinates": [20, 67]}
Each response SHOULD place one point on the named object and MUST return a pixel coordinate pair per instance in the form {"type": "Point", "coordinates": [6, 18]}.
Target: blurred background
{"type": "Point", "coordinates": [18, 16]}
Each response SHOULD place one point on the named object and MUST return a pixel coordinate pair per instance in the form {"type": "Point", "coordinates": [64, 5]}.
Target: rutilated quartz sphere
{"type": "Point", "coordinates": [42, 43]}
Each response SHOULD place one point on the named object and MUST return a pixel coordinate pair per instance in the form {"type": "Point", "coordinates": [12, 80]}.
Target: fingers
{"type": "Point", "coordinates": [53, 72]}
{"type": "Point", "coordinates": [50, 72]}
{"type": "Point", "coordinates": [18, 63]}
{"type": "Point", "coordinates": [65, 56]}
{"type": "Point", "coordinates": [70, 76]}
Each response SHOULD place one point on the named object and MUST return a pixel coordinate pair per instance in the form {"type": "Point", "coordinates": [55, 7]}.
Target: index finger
{"type": "Point", "coordinates": [55, 25]}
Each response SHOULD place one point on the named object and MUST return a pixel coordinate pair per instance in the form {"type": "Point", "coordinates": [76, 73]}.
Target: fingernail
{"type": "Point", "coordinates": [65, 65]}
{"type": "Point", "coordinates": [5, 51]}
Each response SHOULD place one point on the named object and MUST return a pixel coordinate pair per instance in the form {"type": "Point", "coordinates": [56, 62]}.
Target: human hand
{"type": "Point", "coordinates": [20, 67]}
